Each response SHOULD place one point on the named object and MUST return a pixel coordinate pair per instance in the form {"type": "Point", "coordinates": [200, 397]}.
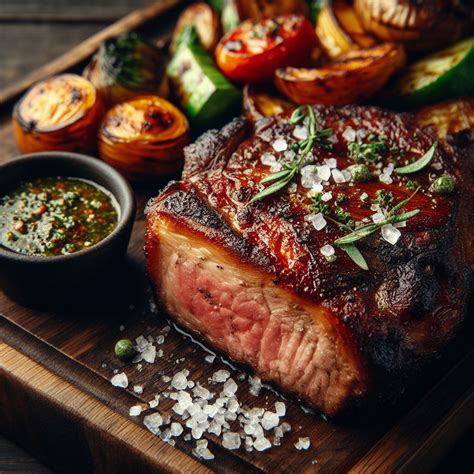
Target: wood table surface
{"type": "Point", "coordinates": [33, 32]}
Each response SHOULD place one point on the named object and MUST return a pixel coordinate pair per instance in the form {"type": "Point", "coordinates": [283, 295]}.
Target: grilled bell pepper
{"type": "Point", "coordinates": [206, 96]}
{"type": "Point", "coordinates": [447, 74]}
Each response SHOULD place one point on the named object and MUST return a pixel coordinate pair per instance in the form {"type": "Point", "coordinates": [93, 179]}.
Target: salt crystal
{"type": "Point", "coordinates": [184, 399]}
{"type": "Point", "coordinates": [303, 443]}
{"type": "Point", "coordinates": [364, 196]}
{"type": "Point", "coordinates": [201, 451]}
{"type": "Point", "coordinates": [160, 339]}
{"type": "Point", "coordinates": [191, 384]}
{"type": "Point", "coordinates": [280, 144]}
{"type": "Point", "coordinates": [220, 376]}
{"type": "Point", "coordinates": [300, 132]}
{"type": "Point", "coordinates": [230, 387]}
{"type": "Point", "coordinates": [331, 162]}
{"type": "Point", "coordinates": [333, 139]}
{"type": "Point", "coordinates": [231, 440]}
{"type": "Point", "coordinates": [166, 329]}
{"type": "Point", "coordinates": [385, 178]}
{"type": "Point", "coordinates": [270, 420]}
{"type": "Point", "coordinates": [197, 432]}
{"type": "Point", "coordinates": [292, 188]}
{"type": "Point", "coordinates": [361, 133]}
{"type": "Point", "coordinates": [388, 170]}
{"type": "Point", "coordinates": [347, 174]}
{"type": "Point", "coordinates": [327, 250]}
{"type": "Point", "coordinates": [138, 389]}
{"type": "Point", "coordinates": [178, 409]}
{"type": "Point", "coordinates": [400, 224]}
{"type": "Point", "coordinates": [338, 176]}
{"type": "Point", "coordinates": [215, 428]}
{"type": "Point", "coordinates": [210, 358]}
{"type": "Point", "coordinates": [135, 410]}
{"type": "Point", "coordinates": [233, 405]}
{"type": "Point", "coordinates": [268, 159]}
{"type": "Point", "coordinates": [309, 176]}
{"type": "Point", "coordinates": [258, 431]}
{"type": "Point", "coordinates": [318, 220]}
{"type": "Point", "coordinates": [285, 426]}
{"type": "Point", "coordinates": [326, 197]}
{"type": "Point", "coordinates": [187, 437]}
{"type": "Point", "coordinates": [280, 408]}
{"type": "Point", "coordinates": [324, 172]}
{"type": "Point", "coordinates": [390, 233]}
{"type": "Point", "coordinates": [120, 380]}
{"type": "Point", "coordinates": [349, 134]}
{"type": "Point", "coordinates": [153, 422]}
{"type": "Point", "coordinates": [377, 217]}
{"type": "Point", "coordinates": [153, 403]}
{"type": "Point", "coordinates": [437, 166]}
{"type": "Point", "coordinates": [149, 354]}
{"type": "Point", "coordinates": [179, 381]}
{"type": "Point", "coordinates": [262, 443]}
{"type": "Point", "coordinates": [141, 343]}
{"type": "Point", "coordinates": [255, 386]}
{"type": "Point", "coordinates": [165, 378]}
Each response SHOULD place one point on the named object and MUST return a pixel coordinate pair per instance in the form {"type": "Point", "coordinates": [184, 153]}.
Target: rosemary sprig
{"type": "Point", "coordinates": [316, 136]}
{"type": "Point", "coordinates": [392, 218]}
{"type": "Point", "coordinates": [418, 165]}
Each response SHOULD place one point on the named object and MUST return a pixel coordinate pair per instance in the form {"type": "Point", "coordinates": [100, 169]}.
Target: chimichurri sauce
{"type": "Point", "coordinates": [56, 216]}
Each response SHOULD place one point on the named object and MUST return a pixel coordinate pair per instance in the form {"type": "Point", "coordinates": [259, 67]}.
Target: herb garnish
{"type": "Point", "coordinates": [418, 165]}
{"type": "Point", "coordinates": [368, 152]}
{"type": "Point", "coordinates": [391, 218]}
{"type": "Point", "coordinates": [315, 137]}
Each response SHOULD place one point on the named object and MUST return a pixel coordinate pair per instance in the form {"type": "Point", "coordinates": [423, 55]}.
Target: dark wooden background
{"type": "Point", "coordinates": [32, 32]}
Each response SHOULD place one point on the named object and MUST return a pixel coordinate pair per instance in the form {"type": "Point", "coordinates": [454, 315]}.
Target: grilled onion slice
{"type": "Point", "coordinates": [144, 138]}
{"type": "Point", "coordinates": [61, 113]}
{"type": "Point", "coordinates": [448, 117]}
{"type": "Point", "coordinates": [354, 76]}
{"type": "Point", "coordinates": [259, 102]}
{"type": "Point", "coordinates": [339, 30]}
{"type": "Point", "coordinates": [126, 67]}
{"type": "Point", "coordinates": [421, 25]}
{"type": "Point", "coordinates": [206, 22]}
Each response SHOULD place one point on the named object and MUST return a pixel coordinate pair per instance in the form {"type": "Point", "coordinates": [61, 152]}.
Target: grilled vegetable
{"type": "Point", "coordinates": [270, 8]}
{"type": "Point", "coordinates": [259, 102]}
{"type": "Point", "coordinates": [446, 74]}
{"type": "Point", "coordinates": [421, 25]}
{"type": "Point", "coordinates": [206, 96]}
{"type": "Point", "coordinates": [354, 76]}
{"type": "Point", "coordinates": [255, 49]}
{"type": "Point", "coordinates": [339, 30]}
{"type": "Point", "coordinates": [126, 67]}
{"type": "Point", "coordinates": [60, 113]}
{"type": "Point", "coordinates": [206, 22]}
{"type": "Point", "coordinates": [144, 138]}
{"type": "Point", "coordinates": [449, 117]}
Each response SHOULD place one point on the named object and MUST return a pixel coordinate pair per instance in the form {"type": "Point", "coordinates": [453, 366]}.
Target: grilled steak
{"type": "Point", "coordinates": [259, 281]}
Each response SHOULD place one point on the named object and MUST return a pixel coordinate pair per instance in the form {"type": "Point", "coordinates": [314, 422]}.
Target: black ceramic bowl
{"type": "Point", "coordinates": [46, 281]}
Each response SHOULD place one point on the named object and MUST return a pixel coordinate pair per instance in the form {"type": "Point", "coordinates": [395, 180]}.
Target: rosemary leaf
{"type": "Point", "coordinates": [354, 253]}
{"type": "Point", "coordinates": [273, 177]}
{"type": "Point", "coordinates": [360, 233]}
{"type": "Point", "coordinates": [418, 164]}
{"type": "Point", "coordinates": [404, 217]}
{"type": "Point", "coordinates": [275, 187]}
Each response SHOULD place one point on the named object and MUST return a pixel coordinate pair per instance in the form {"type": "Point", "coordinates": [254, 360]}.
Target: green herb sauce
{"type": "Point", "coordinates": [56, 216]}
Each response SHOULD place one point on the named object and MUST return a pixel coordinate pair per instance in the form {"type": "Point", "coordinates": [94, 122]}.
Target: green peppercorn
{"type": "Point", "coordinates": [361, 173]}
{"type": "Point", "coordinates": [124, 349]}
{"type": "Point", "coordinates": [444, 185]}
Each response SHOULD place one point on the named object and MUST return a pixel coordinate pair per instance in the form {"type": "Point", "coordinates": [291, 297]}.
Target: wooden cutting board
{"type": "Point", "coordinates": [56, 399]}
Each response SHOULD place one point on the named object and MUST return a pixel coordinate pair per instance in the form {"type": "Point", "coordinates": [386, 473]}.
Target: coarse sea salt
{"type": "Point", "coordinates": [349, 134]}
{"type": "Point", "coordinates": [153, 422]}
{"type": "Point", "coordinates": [300, 132]}
{"type": "Point", "coordinates": [377, 217]}
{"type": "Point", "coordinates": [338, 176]}
{"type": "Point", "coordinates": [136, 410]}
{"type": "Point", "coordinates": [179, 381]}
{"type": "Point", "coordinates": [231, 440]}
{"type": "Point", "coordinates": [326, 197]}
{"type": "Point", "coordinates": [324, 172]}
{"type": "Point", "coordinates": [220, 376]}
{"type": "Point", "coordinates": [385, 178]}
{"type": "Point", "coordinates": [280, 144]}
{"type": "Point", "coordinates": [138, 389]}
{"type": "Point", "coordinates": [331, 162]}
{"type": "Point", "coordinates": [309, 176]}
{"type": "Point", "coordinates": [327, 250]}
{"type": "Point", "coordinates": [390, 233]}
{"type": "Point", "coordinates": [210, 358]}
{"type": "Point", "coordinates": [262, 443]}
{"type": "Point", "coordinates": [318, 220]}
{"type": "Point", "coordinates": [303, 444]}
{"type": "Point", "coordinates": [280, 408]}
{"type": "Point", "coordinates": [120, 380]}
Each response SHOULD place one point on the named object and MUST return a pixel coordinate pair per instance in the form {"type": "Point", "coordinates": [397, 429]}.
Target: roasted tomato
{"type": "Point", "coordinates": [259, 102]}
{"type": "Point", "coordinates": [61, 113]}
{"type": "Point", "coordinates": [254, 50]}
{"type": "Point", "coordinates": [144, 138]}
{"type": "Point", "coordinates": [206, 22]}
{"type": "Point", "coordinates": [339, 30]}
{"type": "Point", "coordinates": [420, 25]}
{"type": "Point", "coordinates": [354, 76]}
{"type": "Point", "coordinates": [452, 116]}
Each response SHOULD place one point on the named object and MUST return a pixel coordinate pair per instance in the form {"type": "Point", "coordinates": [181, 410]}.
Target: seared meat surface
{"type": "Point", "coordinates": [256, 280]}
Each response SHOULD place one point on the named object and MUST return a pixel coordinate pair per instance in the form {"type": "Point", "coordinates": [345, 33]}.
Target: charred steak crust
{"type": "Point", "coordinates": [392, 318]}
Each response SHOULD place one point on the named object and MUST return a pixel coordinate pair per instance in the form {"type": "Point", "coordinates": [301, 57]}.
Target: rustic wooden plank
{"type": "Point", "coordinates": [14, 459]}
{"type": "Point", "coordinates": [85, 49]}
